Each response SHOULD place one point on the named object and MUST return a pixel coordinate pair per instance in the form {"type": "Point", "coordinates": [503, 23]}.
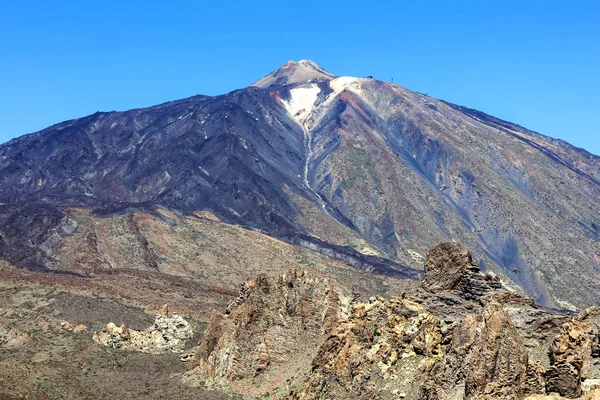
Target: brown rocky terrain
{"type": "Point", "coordinates": [270, 333]}
{"type": "Point", "coordinates": [462, 336]}
{"type": "Point", "coordinates": [318, 330]}
{"type": "Point", "coordinates": [49, 353]}
{"type": "Point", "coordinates": [48, 318]}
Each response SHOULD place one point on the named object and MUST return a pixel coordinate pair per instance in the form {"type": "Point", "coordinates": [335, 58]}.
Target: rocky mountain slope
{"type": "Point", "coordinates": [292, 337]}
{"type": "Point", "coordinates": [360, 170]}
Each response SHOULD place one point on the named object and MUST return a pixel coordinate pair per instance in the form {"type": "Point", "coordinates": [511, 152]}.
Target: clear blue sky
{"type": "Point", "coordinates": [535, 63]}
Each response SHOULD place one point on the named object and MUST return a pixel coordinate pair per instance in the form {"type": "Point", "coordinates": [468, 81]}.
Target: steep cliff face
{"type": "Point", "coordinates": [305, 155]}
{"type": "Point", "coordinates": [270, 332]}
{"type": "Point", "coordinates": [575, 355]}
{"type": "Point", "coordinates": [486, 358]}
{"type": "Point", "coordinates": [443, 343]}
{"type": "Point", "coordinates": [378, 352]}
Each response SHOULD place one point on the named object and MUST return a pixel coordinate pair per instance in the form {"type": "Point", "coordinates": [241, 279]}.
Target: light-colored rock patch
{"type": "Point", "coordinates": [168, 334]}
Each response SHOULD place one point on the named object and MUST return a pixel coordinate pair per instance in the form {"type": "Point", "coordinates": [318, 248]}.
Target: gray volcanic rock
{"type": "Point", "coordinates": [349, 163]}
{"type": "Point", "coordinates": [294, 72]}
{"type": "Point", "coordinates": [199, 153]}
{"type": "Point", "coordinates": [28, 233]}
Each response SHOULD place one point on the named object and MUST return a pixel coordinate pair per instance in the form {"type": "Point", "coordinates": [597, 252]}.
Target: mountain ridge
{"type": "Point", "coordinates": [313, 153]}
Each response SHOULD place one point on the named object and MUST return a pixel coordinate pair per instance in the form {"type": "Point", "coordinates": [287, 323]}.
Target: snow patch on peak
{"type": "Point", "coordinates": [341, 83]}
{"type": "Point", "coordinates": [302, 102]}
{"type": "Point", "coordinates": [309, 63]}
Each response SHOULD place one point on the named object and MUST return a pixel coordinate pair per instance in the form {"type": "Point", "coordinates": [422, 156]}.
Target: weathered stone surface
{"type": "Point", "coordinates": [269, 329]}
{"type": "Point", "coordinates": [168, 334]}
{"type": "Point", "coordinates": [379, 351]}
{"type": "Point", "coordinates": [463, 338]}
{"type": "Point", "coordinates": [564, 378]}
{"type": "Point", "coordinates": [534, 379]}
{"type": "Point", "coordinates": [574, 355]}
{"type": "Point", "coordinates": [486, 359]}
{"type": "Point", "coordinates": [449, 266]}
{"type": "Point", "coordinates": [593, 395]}
{"type": "Point", "coordinates": [445, 266]}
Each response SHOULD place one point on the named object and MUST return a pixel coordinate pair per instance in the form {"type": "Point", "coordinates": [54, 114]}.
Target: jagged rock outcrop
{"type": "Point", "coordinates": [485, 359]}
{"type": "Point", "coordinates": [575, 356]}
{"type": "Point", "coordinates": [449, 266]}
{"type": "Point", "coordinates": [244, 292]}
{"type": "Point", "coordinates": [378, 352]}
{"type": "Point", "coordinates": [463, 337]}
{"type": "Point", "coordinates": [396, 349]}
{"type": "Point", "coordinates": [267, 332]}
{"type": "Point", "coordinates": [169, 333]}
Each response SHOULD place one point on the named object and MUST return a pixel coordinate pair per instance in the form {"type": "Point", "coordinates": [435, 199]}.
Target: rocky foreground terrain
{"type": "Point", "coordinates": [104, 287]}
{"type": "Point", "coordinates": [461, 335]}
{"type": "Point", "coordinates": [321, 330]}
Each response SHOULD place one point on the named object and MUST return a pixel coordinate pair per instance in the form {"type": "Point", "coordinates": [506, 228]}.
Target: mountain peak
{"type": "Point", "coordinates": [295, 72]}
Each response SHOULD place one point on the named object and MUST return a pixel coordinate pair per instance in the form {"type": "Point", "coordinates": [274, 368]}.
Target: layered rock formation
{"type": "Point", "coordinates": [463, 336]}
{"type": "Point", "coordinates": [450, 267]}
{"type": "Point", "coordinates": [275, 326]}
{"type": "Point", "coordinates": [485, 358]}
{"type": "Point", "coordinates": [378, 352]}
{"type": "Point", "coordinates": [575, 355]}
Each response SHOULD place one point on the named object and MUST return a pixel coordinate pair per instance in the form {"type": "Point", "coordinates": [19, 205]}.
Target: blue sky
{"type": "Point", "coordinates": [535, 63]}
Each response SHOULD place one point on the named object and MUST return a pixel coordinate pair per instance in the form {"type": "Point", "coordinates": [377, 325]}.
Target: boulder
{"type": "Point", "coordinates": [450, 267]}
